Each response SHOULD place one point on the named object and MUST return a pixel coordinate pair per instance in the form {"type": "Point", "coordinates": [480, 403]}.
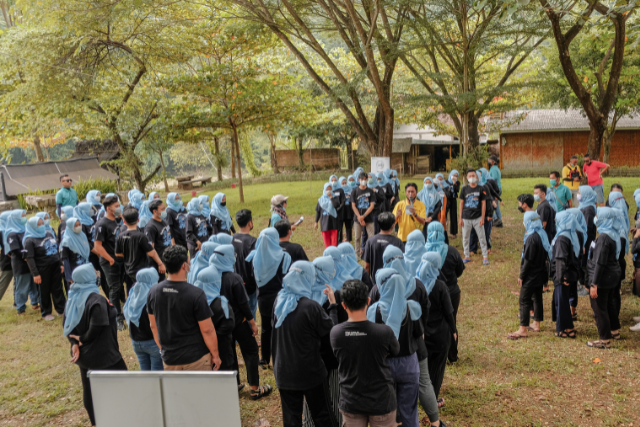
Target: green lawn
{"type": "Point", "coordinates": [535, 382]}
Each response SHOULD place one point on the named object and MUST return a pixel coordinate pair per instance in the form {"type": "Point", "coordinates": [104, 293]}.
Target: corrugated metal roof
{"type": "Point", "coordinates": [522, 121]}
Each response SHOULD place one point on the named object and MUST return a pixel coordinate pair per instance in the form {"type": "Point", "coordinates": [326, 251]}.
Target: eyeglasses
{"type": "Point", "coordinates": [67, 180]}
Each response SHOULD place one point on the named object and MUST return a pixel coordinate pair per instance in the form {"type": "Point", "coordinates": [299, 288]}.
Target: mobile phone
{"type": "Point", "coordinates": [298, 222]}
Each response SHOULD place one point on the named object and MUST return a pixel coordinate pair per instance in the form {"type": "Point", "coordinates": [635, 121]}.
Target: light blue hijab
{"type": "Point", "coordinates": [33, 230]}
{"type": "Point", "coordinates": [532, 224]}
{"type": "Point", "coordinates": [551, 198]}
{"type": "Point", "coordinates": [193, 207]}
{"type": "Point", "coordinates": [430, 198]}
{"type": "Point", "coordinates": [83, 213]}
{"type": "Point", "coordinates": [325, 202]}
{"type": "Point", "coordinates": [566, 226]}
{"type": "Point", "coordinates": [221, 239]}
{"type": "Point", "coordinates": [174, 202]}
{"type": "Point", "coordinates": [395, 174]}
{"type": "Point", "coordinates": [145, 279]}
{"type": "Point", "coordinates": [295, 285]}
{"type": "Point", "coordinates": [223, 258]}
{"type": "Point", "coordinates": [394, 258]}
{"type": "Point", "coordinates": [581, 224]}
{"type": "Point", "coordinates": [435, 241]}
{"type": "Point", "coordinates": [68, 212]}
{"type": "Point", "coordinates": [325, 275]}
{"type": "Point", "coordinates": [144, 215]}
{"type": "Point", "coordinates": [84, 284]}
{"type": "Point", "coordinates": [587, 197]}
{"type": "Point", "coordinates": [76, 242]}
{"type": "Point", "coordinates": [94, 198]}
{"type": "Point", "coordinates": [413, 251]}
{"type": "Point", "coordinates": [267, 256]}
{"type": "Point", "coordinates": [356, 174]}
{"type": "Point", "coordinates": [381, 180]}
{"type": "Point", "coordinates": [152, 195]}
{"type": "Point", "coordinates": [206, 209]}
{"type": "Point", "coordinates": [482, 179]}
{"type": "Point", "coordinates": [221, 212]}
{"type": "Point", "coordinates": [428, 270]}
{"type": "Point", "coordinates": [387, 174]}
{"type": "Point", "coordinates": [201, 260]}
{"type": "Point", "coordinates": [337, 185]}
{"type": "Point", "coordinates": [3, 224]}
{"type": "Point", "coordinates": [344, 187]}
{"type": "Point", "coordinates": [608, 222]}
{"type": "Point", "coordinates": [136, 200]}
{"type": "Point", "coordinates": [13, 225]}
{"type": "Point", "coordinates": [350, 261]}
{"type": "Point", "coordinates": [132, 192]}
{"type": "Point", "coordinates": [453, 172]}
{"type": "Point", "coordinates": [393, 303]}
{"type": "Point", "coordinates": [444, 182]}
{"type": "Point", "coordinates": [210, 281]}
{"type": "Point", "coordinates": [44, 216]}
{"type": "Point", "coordinates": [616, 201]}
{"type": "Point", "coordinates": [342, 273]}
{"type": "Point", "coordinates": [636, 197]}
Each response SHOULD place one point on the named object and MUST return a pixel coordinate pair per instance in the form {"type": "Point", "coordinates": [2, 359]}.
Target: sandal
{"type": "Point", "coordinates": [485, 262]}
{"type": "Point", "coordinates": [616, 337]}
{"type": "Point", "coordinates": [516, 337]}
{"type": "Point", "coordinates": [35, 307]}
{"type": "Point", "coordinates": [529, 328]}
{"type": "Point", "coordinates": [564, 334]}
{"type": "Point", "coordinates": [440, 402]}
{"type": "Point", "coordinates": [574, 317]}
{"type": "Point", "coordinates": [466, 260]}
{"type": "Point", "coordinates": [240, 387]}
{"type": "Point", "coordinates": [599, 344]}
{"type": "Point", "coordinates": [262, 391]}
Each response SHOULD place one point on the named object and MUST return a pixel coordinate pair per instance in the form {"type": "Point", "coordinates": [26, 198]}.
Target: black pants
{"type": "Point", "coordinates": [192, 250]}
{"type": "Point", "coordinates": [95, 261]}
{"type": "Point", "coordinates": [453, 349]}
{"type": "Point", "coordinates": [604, 309]}
{"type": "Point", "coordinates": [226, 351]}
{"type": "Point", "coordinates": [86, 387]}
{"type": "Point", "coordinates": [452, 207]}
{"type": "Point", "coordinates": [531, 296]}
{"type": "Point", "coordinates": [348, 229]}
{"type": "Point", "coordinates": [249, 348]}
{"type": "Point", "coordinates": [319, 405]}
{"type": "Point", "coordinates": [561, 310]}
{"type": "Point", "coordinates": [266, 313]}
{"type": "Point", "coordinates": [438, 363]}
{"type": "Point", "coordinates": [623, 273]}
{"type": "Point", "coordinates": [51, 289]}
{"type": "Point", "coordinates": [573, 295]}
{"type": "Point", "coordinates": [113, 274]}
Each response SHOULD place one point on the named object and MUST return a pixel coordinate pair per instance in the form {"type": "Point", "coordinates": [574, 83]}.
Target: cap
{"type": "Point", "coordinates": [278, 200]}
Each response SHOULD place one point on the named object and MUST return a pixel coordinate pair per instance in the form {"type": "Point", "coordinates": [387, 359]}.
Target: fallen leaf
{"type": "Point", "coordinates": [597, 360]}
{"type": "Point", "coordinates": [498, 393]}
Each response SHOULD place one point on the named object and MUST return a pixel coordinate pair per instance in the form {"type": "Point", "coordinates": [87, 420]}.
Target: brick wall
{"type": "Point", "coordinates": [318, 158]}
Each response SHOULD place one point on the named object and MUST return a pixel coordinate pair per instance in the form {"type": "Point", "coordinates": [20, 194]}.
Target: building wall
{"type": "Point", "coordinates": [318, 158]}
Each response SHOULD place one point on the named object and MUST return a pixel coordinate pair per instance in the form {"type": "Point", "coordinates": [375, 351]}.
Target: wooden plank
{"type": "Point", "coordinates": [184, 178]}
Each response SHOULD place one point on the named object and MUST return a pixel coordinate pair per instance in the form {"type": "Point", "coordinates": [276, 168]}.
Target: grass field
{"type": "Point", "coordinates": [541, 381]}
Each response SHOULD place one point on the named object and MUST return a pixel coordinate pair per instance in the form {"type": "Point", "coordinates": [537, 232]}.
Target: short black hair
{"type": "Point", "coordinates": [130, 215]}
{"type": "Point", "coordinates": [618, 186]}
{"type": "Point", "coordinates": [363, 175]}
{"type": "Point", "coordinates": [471, 170]}
{"type": "Point", "coordinates": [587, 155]}
{"type": "Point", "coordinates": [243, 216]}
{"type": "Point", "coordinates": [108, 201]}
{"type": "Point", "coordinates": [540, 187]}
{"type": "Point", "coordinates": [573, 157]}
{"type": "Point", "coordinates": [526, 199]}
{"type": "Point", "coordinates": [173, 258]}
{"type": "Point", "coordinates": [411, 184]}
{"type": "Point", "coordinates": [63, 176]}
{"type": "Point", "coordinates": [282, 227]}
{"type": "Point", "coordinates": [154, 205]}
{"type": "Point", "coordinates": [386, 221]}
{"type": "Point", "coordinates": [355, 294]}
{"type": "Point", "coordinates": [556, 174]}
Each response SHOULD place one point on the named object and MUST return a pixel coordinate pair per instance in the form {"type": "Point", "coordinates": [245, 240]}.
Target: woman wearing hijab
{"type": "Point", "coordinates": [135, 311]}
{"type": "Point", "coordinates": [6, 273]}
{"type": "Point", "coordinates": [635, 251]}
{"type": "Point", "coordinates": [198, 228]}
{"type": "Point", "coordinates": [431, 199]}
{"type": "Point", "coordinates": [566, 249]}
{"type": "Point", "coordinates": [90, 327]}
{"type": "Point", "coordinates": [413, 251]}
{"type": "Point", "coordinates": [327, 215]}
{"type": "Point", "coordinates": [206, 207]}
{"type": "Point", "coordinates": [587, 199]}
{"type": "Point", "coordinates": [144, 215]}
{"type": "Point", "coordinates": [617, 201]}
{"type": "Point", "coordinates": [443, 190]}
{"type": "Point", "coordinates": [44, 216]}
{"type": "Point", "coordinates": [220, 218]}
{"type": "Point", "coordinates": [338, 192]}
{"type": "Point", "coordinates": [154, 195]}
{"type": "Point", "coordinates": [454, 185]}
{"type": "Point", "coordinates": [388, 175]}
{"type": "Point", "coordinates": [270, 264]}
{"type": "Point", "coordinates": [94, 197]}
{"type": "Point", "coordinates": [385, 191]}
{"type": "Point", "coordinates": [76, 249]}
{"type": "Point", "coordinates": [279, 210]}
{"type": "Point", "coordinates": [347, 185]}
{"type": "Point", "coordinates": [536, 253]}
{"type": "Point", "coordinates": [136, 199]}
{"type": "Point", "coordinates": [403, 317]}
{"type": "Point", "coordinates": [43, 259]}
{"type": "Point", "coordinates": [66, 212]}
{"type": "Point", "coordinates": [581, 230]}
{"type": "Point", "coordinates": [351, 265]}
{"type": "Point", "coordinates": [24, 286]}
{"type": "Point", "coordinates": [441, 326]}
{"type": "Point", "coordinates": [300, 324]}
{"type": "Point", "coordinates": [177, 219]}
{"type": "Point", "coordinates": [604, 272]}
{"type": "Point", "coordinates": [83, 213]}
{"type": "Point", "coordinates": [201, 260]}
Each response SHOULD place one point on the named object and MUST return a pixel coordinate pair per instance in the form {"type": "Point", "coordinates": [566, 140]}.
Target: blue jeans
{"type": "Point", "coordinates": [24, 287]}
{"type": "Point", "coordinates": [253, 303]}
{"type": "Point", "coordinates": [148, 355]}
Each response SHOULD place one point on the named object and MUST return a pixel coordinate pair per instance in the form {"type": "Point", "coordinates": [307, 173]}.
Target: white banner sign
{"type": "Point", "coordinates": [379, 164]}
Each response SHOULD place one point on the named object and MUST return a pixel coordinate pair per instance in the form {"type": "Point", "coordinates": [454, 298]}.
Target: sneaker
{"type": "Point", "coordinates": [49, 317]}
{"type": "Point", "coordinates": [636, 319]}
{"type": "Point", "coordinates": [120, 321]}
{"type": "Point", "coordinates": [635, 328]}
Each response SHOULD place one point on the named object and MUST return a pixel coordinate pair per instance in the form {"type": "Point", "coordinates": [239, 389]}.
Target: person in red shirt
{"type": "Point", "coordinates": [593, 170]}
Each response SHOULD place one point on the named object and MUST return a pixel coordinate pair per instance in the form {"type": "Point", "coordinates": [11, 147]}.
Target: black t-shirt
{"type": "Point", "coordinates": [178, 223]}
{"type": "Point", "coordinates": [233, 289]}
{"type": "Point", "coordinates": [374, 249]}
{"type": "Point", "coordinates": [223, 325]}
{"type": "Point", "coordinates": [142, 332]}
{"type": "Point", "coordinates": [473, 198]}
{"type": "Point", "coordinates": [61, 227]}
{"type": "Point", "coordinates": [548, 215]}
{"type": "Point", "coordinates": [73, 261]}
{"type": "Point", "coordinates": [243, 245]}
{"type": "Point", "coordinates": [178, 307]}
{"type": "Point", "coordinates": [273, 286]}
{"type": "Point", "coordinates": [441, 325]}
{"type": "Point", "coordinates": [565, 264]}
{"type": "Point", "coordinates": [102, 351]}
{"type": "Point", "coordinates": [18, 263]}
{"type": "Point", "coordinates": [452, 268]}
{"type": "Point", "coordinates": [5, 260]}
{"type": "Point", "coordinates": [198, 229]}
{"type": "Point", "coordinates": [43, 251]}
{"type": "Point", "coordinates": [295, 250]}
{"type": "Point", "coordinates": [297, 364]}
{"type": "Point", "coordinates": [603, 266]}
{"type": "Point", "coordinates": [363, 199]}
{"type": "Point", "coordinates": [107, 232]}
{"type": "Point", "coordinates": [362, 349]}
{"type": "Point", "coordinates": [589, 214]}
{"type": "Point", "coordinates": [410, 334]}
{"type": "Point", "coordinates": [347, 211]}
{"type": "Point", "coordinates": [134, 246]}
{"type": "Point", "coordinates": [534, 262]}
{"type": "Point", "coordinates": [328, 222]}
{"type": "Point", "coordinates": [219, 226]}
{"type": "Point", "coordinates": [159, 234]}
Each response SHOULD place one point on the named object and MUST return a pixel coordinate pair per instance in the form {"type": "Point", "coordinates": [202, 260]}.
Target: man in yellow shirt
{"type": "Point", "coordinates": [571, 176]}
{"type": "Point", "coordinates": [410, 213]}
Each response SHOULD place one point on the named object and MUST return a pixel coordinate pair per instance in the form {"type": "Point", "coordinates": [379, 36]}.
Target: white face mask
{"type": "Point", "coordinates": [363, 182]}
{"type": "Point", "coordinates": [333, 182]}
{"type": "Point", "coordinates": [77, 229]}
{"type": "Point", "coordinates": [473, 180]}
{"type": "Point", "coordinates": [454, 179]}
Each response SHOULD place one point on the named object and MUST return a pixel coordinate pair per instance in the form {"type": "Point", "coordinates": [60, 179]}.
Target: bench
{"type": "Point", "coordinates": [188, 185]}
{"type": "Point", "coordinates": [184, 178]}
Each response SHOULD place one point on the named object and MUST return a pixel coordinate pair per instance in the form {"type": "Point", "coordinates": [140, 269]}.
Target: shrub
{"type": "Point", "coordinates": [82, 187]}
{"type": "Point", "coordinates": [475, 158]}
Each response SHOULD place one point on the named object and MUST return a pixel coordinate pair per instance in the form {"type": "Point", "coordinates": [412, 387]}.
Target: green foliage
{"type": "Point", "coordinates": [475, 158]}
{"type": "Point", "coordinates": [105, 186]}
{"type": "Point", "coordinates": [247, 152]}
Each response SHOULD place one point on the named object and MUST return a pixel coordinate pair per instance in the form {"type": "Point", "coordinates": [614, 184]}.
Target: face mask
{"type": "Point", "coordinates": [352, 183]}
{"type": "Point", "coordinates": [579, 197]}
{"type": "Point", "coordinates": [363, 182]}
{"type": "Point", "coordinates": [520, 209]}
{"type": "Point", "coordinates": [63, 217]}
{"type": "Point", "coordinates": [77, 229]}
{"type": "Point", "coordinates": [223, 204]}
{"type": "Point", "coordinates": [40, 227]}
{"type": "Point", "coordinates": [47, 222]}
{"type": "Point", "coordinates": [370, 181]}
{"type": "Point", "coordinates": [163, 215]}
{"type": "Point", "coordinates": [454, 179]}
{"type": "Point", "coordinates": [536, 197]}
{"type": "Point", "coordinates": [429, 186]}
{"type": "Point", "coordinates": [329, 194]}
{"type": "Point", "coordinates": [200, 205]}
{"type": "Point", "coordinates": [344, 184]}
{"type": "Point", "coordinates": [379, 181]}
{"type": "Point", "coordinates": [23, 220]}
{"type": "Point", "coordinates": [117, 211]}
{"type": "Point", "coordinates": [553, 182]}
{"type": "Point", "coordinates": [473, 180]}
{"type": "Point", "coordinates": [97, 199]}
{"type": "Point", "coordinates": [333, 182]}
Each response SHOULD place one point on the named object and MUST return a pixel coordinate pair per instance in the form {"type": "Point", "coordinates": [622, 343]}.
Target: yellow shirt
{"type": "Point", "coordinates": [407, 223]}
{"type": "Point", "coordinates": [566, 174]}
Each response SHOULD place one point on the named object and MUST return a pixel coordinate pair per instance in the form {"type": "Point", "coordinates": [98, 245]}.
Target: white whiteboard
{"type": "Point", "coordinates": [379, 164]}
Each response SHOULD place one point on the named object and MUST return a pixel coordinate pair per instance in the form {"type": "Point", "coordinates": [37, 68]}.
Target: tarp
{"type": "Point", "coordinates": [22, 179]}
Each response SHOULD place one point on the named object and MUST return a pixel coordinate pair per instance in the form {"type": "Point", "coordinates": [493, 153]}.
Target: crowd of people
{"type": "Point", "coordinates": [360, 335]}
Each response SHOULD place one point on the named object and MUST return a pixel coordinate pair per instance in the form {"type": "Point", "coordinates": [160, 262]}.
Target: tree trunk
{"type": "Point", "coordinates": [606, 143]}
{"type": "Point", "coordinates": [299, 143]}
{"type": "Point", "coordinates": [350, 155]}
{"type": "Point", "coordinates": [237, 145]}
{"type": "Point", "coordinates": [472, 131]}
{"type": "Point", "coordinates": [384, 130]}
{"type": "Point", "coordinates": [274, 157]}
{"type": "Point", "coordinates": [164, 169]}
{"type": "Point", "coordinates": [233, 159]}
{"type": "Point", "coordinates": [216, 147]}
{"type": "Point", "coordinates": [37, 148]}
{"type": "Point", "coordinates": [596, 137]}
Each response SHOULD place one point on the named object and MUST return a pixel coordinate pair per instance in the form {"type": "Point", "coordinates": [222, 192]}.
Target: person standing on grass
{"type": "Point", "coordinates": [244, 243]}
{"type": "Point", "coordinates": [352, 268]}
{"type": "Point", "coordinates": [376, 245]}
{"type": "Point", "coordinates": [327, 214]}
{"type": "Point", "coordinates": [159, 234]}
{"type": "Point", "coordinates": [367, 389]}
{"type": "Point", "coordinates": [496, 175]}
{"type": "Point", "coordinates": [66, 196]}
{"type": "Point", "coordinates": [566, 249]}
{"type": "Point", "coordinates": [581, 231]}
{"type": "Point", "coordinates": [43, 259]}
{"type": "Point", "coordinates": [545, 211]}
{"type": "Point", "coordinates": [135, 311]}
{"type": "Point", "coordinates": [562, 192]}
{"type": "Point", "coordinates": [414, 248]}
{"type": "Point", "coordinates": [180, 319]}
{"type": "Point", "coordinates": [594, 170]}
{"type": "Point", "coordinates": [587, 198]}
{"type": "Point", "coordinates": [6, 273]}
{"type": "Point", "coordinates": [24, 286]}
{"type": "Point", "coordinates": [300, 324]}
{"type": "Point", "coordinates": [75, 249]}
{"type": "Point", "coordinates": [616, 201]}
{"type": "Point", "coordinates": [490, 190]}
{"type": "Point", "coordinates": [67, 212]}
{"type": "Point", "coordinates": [363, 200]}
{"type": "Point", "coordinates": [279, 210]}
{"type": "Point", "coordinates": [534, 270]}
{"type": "Point", "coordinates": [177, 219]}
{"type": "Point", "coordinates": [90, 326]}
{"type": "Point", "coordinates": [604, 275]}
{"type": "Point", "coordinates": [410, 213]}
{"type": "Point", "coordinates": [571, 177]}
{"type": "Point", "coordinates": [295, 250]}
{"type": "Point", "coordinates": [270, 263]}
{"type": "Point", "coordinates": [385, 191]}
{"type": "Point", "coordinates": [220, 218]}
{"type": "Point", "coordinates": [432, 201]}
{"type": "Point", "coordinates": [472, 215]}
{"type": "Point", "coordinates": [198, 228]}
{"type": "Point", "coordinates": [348, 184]}
{"type": "Point", "coordinates": [339, 192]}
{"type": "Point", "coordinates": [635, 251]}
